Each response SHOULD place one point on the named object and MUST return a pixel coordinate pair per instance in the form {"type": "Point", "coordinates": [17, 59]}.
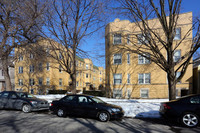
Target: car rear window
{"type": "Point", "coordinates": [69, 99]}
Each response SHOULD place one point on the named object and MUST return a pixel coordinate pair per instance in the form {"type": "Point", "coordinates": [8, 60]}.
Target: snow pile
{"type": "Point", "coordinates": [141, 108]}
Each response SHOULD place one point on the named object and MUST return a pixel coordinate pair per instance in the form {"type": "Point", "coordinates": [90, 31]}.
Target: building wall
{"type": "Point", "coordinates": [58, 80]}
{"type": "Point", "coordinates": [158, 87]}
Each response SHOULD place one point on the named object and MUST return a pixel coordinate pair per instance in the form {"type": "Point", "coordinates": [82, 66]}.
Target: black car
{"type": "Point", "coordinates": [22, 101]}
{"type": "Point", "coordinates": [185, 109]}
{"type": "Point", "coordinates": [84, 105]}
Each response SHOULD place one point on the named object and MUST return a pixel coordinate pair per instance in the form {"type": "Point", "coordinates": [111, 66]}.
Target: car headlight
{"type": "Point", "coordinates": [115, 110]}
{"type": "Point", "coordinates": [34, 102]}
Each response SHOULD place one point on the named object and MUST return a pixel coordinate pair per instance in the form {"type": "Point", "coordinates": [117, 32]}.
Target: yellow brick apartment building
{"type": "Point", "coordinates": [129, 75]}
{"type": "Point", "coordinates": [37, 73]}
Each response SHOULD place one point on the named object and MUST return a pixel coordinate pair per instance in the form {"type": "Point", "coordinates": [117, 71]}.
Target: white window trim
{"type": "Point", "coordinates": [117, 89]}
{"type": "Point", "coordinates": [114, 39]}
{"type": "Point", "coordinates": [141, 89]}
{"type": "Point", "coordinates": [48, 67]}
{"type": "Point", "coordinates": [129, 78]}
{"type": "Point", "coordinates": [175, 34]}
{"type": "Point", "coordinates": [144, 60]}
{"type": "Point", "coordinates": [114, 79]}
{"type": "Point", "coordinates": [128, 58]}
{"type": "Point", "coordinates": [144, 78]}
{"type": "Point", "coordinates": [114, 59]}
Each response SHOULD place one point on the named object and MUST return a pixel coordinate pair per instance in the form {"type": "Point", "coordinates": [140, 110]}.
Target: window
{"type": "Point", "coordinates": [100, 72]}
{"type": "Point", "coordinates": [82, 99]}
{"type": "Point", "coordinates": [142, 39]}
{"type": "Point", "coordinates": [20, 57]}
{"type": "Point", "coordinates": [60, 82]}
{"type": "Point", "coordinates": [5, 95]}
{"type": "Point", "coordinates": [117, 58]}
{"type": "Point", "coordinates": [144, 78]}
{"type": "Point", "coordinates": [117, 93]}
{"type": "Point", "coordinates": [60, 68]}
{"type": "Point", "coordinates": [128, 93]}
{"type": "Point", "coordinates": [128, 39]}
{"type": "Point", "coordinates": [31, 56]}
{"type": "Point", "coordinates": [177, 55]}
{"type": "Point", "coordinates": [69, 99]}
{"type": "Point", "coordinates": [143, 60]}
{"type": "Point", "coordinates": [128, 79]}
{"type": "Point", "coordinates": [40, 80]}
{"type": "Point", "coordinates": [178, 34]}
{"type": "Point", "coordinates": [2, 73]}
{"type": "Point", "coordinates": [20, 69]}
{"type": "Point", "coordinates": [40, 67]}
{"type": "Point", "coordinates": [31, 82]}
{"type": "Point", "coordinates": [100, 79]}
{"type": "Point", "coordinates": [178, 74]}
{"type": "Point", "coordinates": [48, 66]}
{"type": "Point", "coordinates": [47, 51]}
{"type": "Point", "coordinates": [117, 39]}
{"type": "Point", "coordinates": [117, 78]}
{"type": "Point", "coordinates": [128, 58]}
{"type": "Point", "coordinates": [86, 66]}
{"type": "Point", "coordinates": [144, 93]}
{"type": "Point", "coordinates": [77, 83]}
{"type": "Point", "coordinates": [47, 81]}
{"type": "Point", "coordinates": [86, 75]}
{"type": "Point", "coordinates": [60, 55]}
{"type": "Point", "coordinates": [31, 68]}
{"type": "Point", "coordinates": [20, 82]}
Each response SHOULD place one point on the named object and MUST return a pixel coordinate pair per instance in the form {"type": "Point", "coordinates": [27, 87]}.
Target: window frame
{"type": "Point", "coordinates": [144, 59]}
{"type": "Point", "coordinates": [144, 89]}
{"type": "Point", "coordinates": [177, 36]}
{"type": "Point", "coordinates": [177, 58]}
{"type": "Point", "coordinates": [116, 39]}
{"type": "Point", "coordinates": [120, 79]}
{"type": "Point", "coordinates": [114, 60]}
{"type": "Point", "coordinates": [20, 69]}
{"type": "Point", "coordinates": [144, 78]}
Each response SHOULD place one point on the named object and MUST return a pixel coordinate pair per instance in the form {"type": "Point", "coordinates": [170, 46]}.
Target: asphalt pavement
{"type": "Point", "coordinates": [12, 121]}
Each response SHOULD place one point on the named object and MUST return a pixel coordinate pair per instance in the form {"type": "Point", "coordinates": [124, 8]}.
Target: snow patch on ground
{"type": "Point", "coordinates": [140, 108]}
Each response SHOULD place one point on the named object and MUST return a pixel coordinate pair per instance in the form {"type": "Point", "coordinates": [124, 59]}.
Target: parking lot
{"type": "Point", "coordinates": [12, 121]}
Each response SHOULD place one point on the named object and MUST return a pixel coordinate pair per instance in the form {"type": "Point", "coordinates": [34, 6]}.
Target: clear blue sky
{"type": "Point", "coordinates": [95, 45]}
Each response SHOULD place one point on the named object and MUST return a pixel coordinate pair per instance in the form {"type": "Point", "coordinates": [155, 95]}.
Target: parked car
{"type": "Point", "coordinates": [85, 105]}
{"type": "Point", "coordinates": [185, 109]}
{"type": "Point", "coordinates": [22, 101]}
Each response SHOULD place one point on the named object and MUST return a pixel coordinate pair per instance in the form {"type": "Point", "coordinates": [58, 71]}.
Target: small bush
{"type": "Point", "coordinates": [57, 91]}
{"type": "Point", "coordinates": [95, 93]}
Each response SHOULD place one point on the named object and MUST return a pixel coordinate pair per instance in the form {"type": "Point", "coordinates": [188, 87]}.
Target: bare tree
{"type": "Point", "coordinates": [19, 21]}
{"type": "Point", "coordinates": [68, 23]}
{"type": "Point", "coordinates": [167, 14]}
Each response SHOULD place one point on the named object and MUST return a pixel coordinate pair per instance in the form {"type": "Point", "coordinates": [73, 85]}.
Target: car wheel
{"type": "Point", "coordinates": [190, 120]}
{"type": "Point", "coordinates": [61, 112]}
{"type": "Point", "coordinates": [26, 108]}
{"type": "Point", "coordinates": [104, 116]}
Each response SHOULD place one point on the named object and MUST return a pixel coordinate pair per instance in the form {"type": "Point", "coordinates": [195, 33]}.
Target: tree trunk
{"type": "Point", "coordinates": [171, 84]}
{"type": "Point", "coordinates": [6, 75]}
{"type": "Point", "coordinates": [73, 78]}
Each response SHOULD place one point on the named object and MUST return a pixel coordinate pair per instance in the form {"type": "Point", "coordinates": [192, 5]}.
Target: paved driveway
{"type": "Point", "coordinates": [44, 122]}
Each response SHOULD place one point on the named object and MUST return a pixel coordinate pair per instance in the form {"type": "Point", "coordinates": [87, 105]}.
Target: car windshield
{"type": "Point", "coordinates": [97, 100]}
{"type": "Point", "coordinates": [25, 95]}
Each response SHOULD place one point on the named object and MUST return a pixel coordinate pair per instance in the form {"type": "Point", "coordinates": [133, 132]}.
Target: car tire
{"type": "Point", "coordinates": [61, 112]}
{"type": "Point", "coordinates": [104, 116]}
{"type": "Point", "coordinates": [26, 108]}
{"type": "Point", "coordinates": [190, 119]}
